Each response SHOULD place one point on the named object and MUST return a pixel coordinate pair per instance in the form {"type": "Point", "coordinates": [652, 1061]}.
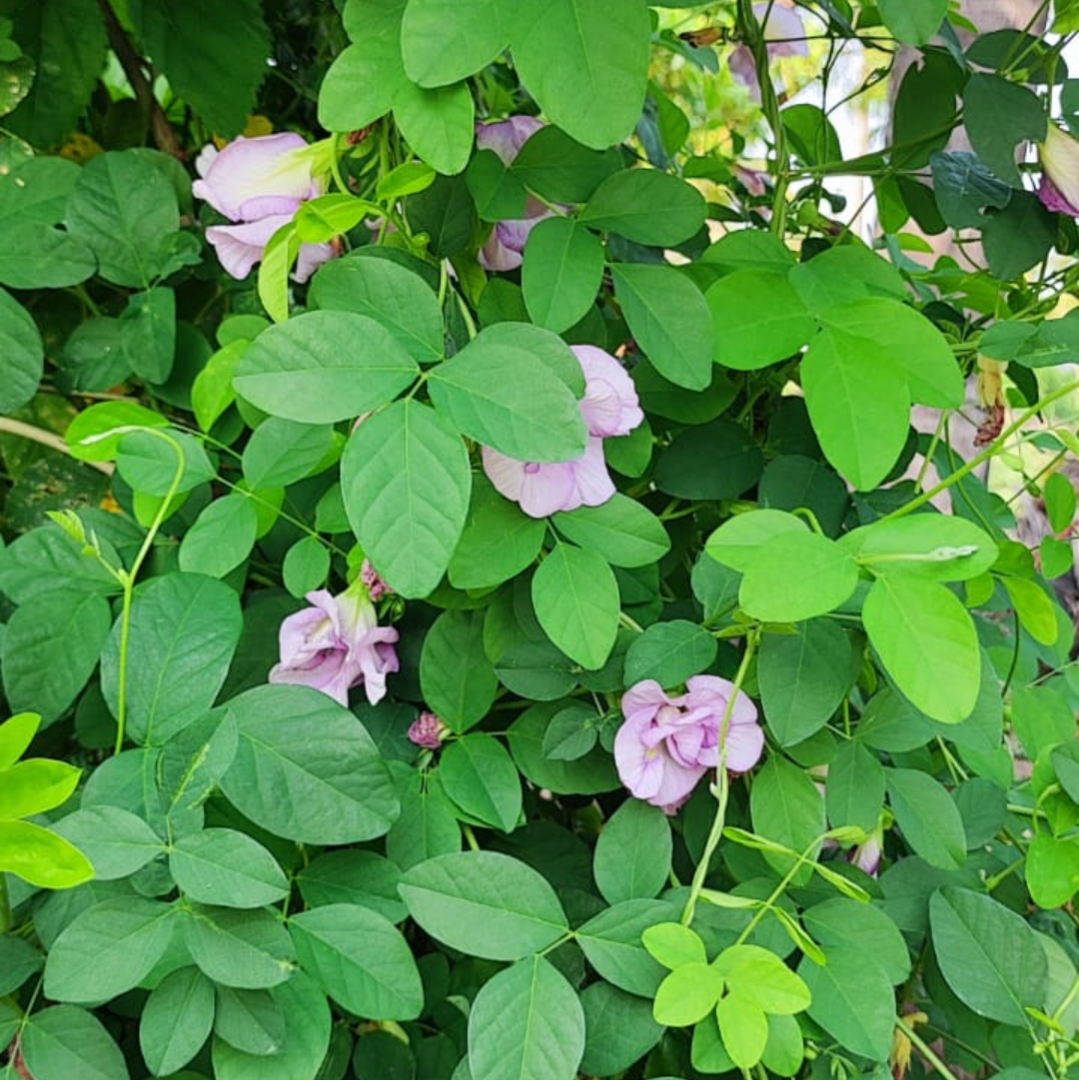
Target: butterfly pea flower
{"type": "Point", "coordinates": [336, 644]}
{"type": "Point", "coordinates": [1059, 187]}
{"type": "Point", "coordinates": [504, 249]}
{"type": "Point", "coordinates": [784, 35]}
{"type": "Point", "coordinates": [259, 184]}
{"type": "Point", "coordinates": [610, 408]}
{"type": "Point", "coordinates": [427, 730]}
{"type": "Point", "coordinates": [666, 744]}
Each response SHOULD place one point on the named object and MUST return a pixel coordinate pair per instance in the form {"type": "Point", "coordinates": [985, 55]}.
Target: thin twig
{"type": "Point", "coordinates": [164, 136]}
{"type": "Point", "coordinates": [49, 439]}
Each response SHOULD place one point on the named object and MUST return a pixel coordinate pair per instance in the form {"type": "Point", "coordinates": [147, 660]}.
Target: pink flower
{"type": "Point", "coordinates": [258, 184]}
{"type": "Point", "coordinates": [780, 25]}
{"type": "Point", "coordinates": [427, 731]}
{"type": "Point", "coordinates": [504, 249]}
{"type": "Point", "coordinates": [376, 586]}
{"type": "Point", "coordinates": [1059, 187]}
{"type": "Point", "coordinates": [610, 408]}
{"type": "Point", "coordinates": [867, 856]}
{"type": "Point", "coordinates": [336, 644]}
{"type": "Point", "coordinates": [668, 743]}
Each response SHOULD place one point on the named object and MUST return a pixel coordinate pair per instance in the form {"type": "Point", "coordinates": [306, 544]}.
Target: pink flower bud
{"type": "Point", "coordinates": [427, 730]}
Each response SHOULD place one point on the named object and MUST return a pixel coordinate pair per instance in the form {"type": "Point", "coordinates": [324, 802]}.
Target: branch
{"type": "Point", "coordinates": [47, 438]}
{"type": "Point", "coordinates": [164, 136]}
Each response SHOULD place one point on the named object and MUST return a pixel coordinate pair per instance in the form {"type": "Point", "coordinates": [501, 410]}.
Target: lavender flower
{"type": "Point", "coordinates": [1059, 188]}
{"type": "Point", "coordinates": [666, 744]}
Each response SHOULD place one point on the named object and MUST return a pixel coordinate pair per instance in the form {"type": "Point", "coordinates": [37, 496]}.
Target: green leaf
{"type": "Point", "coordinates": [988, 954]}
{"type": "Point", "coordinates": [1018, 237]}
{"type": "Point", "coordinates": [557, 167]}
{"type": "Point", "coordinates": [405, 477]}
{"type": "Point", "coordinates": [148, 333]}
{"type": "Point", "coordinates": [306, 769]}
{"type": "Point", "coordinates": [827, 577]}
{"type": "Point", "coordinates": [674, 945]}
{"type": "Point", "coordinates": [646, 206]}
{"type": "Point", "coordinates": [280, 452]}
{"type": "Point", "coordinates": [562, 272]}
{"type": "Point", "coordinates": [927, 643]}
{"type": "Point", "coordinates": [227, 868]}
{"type": "Point", "coordinates": [214, 59]}
{"type": "Point", "coordinates": [670, 320]}
{"type": "Point", "coordinates": [364, 81]}
{"type": "Point", "coordinates": [479, 776]}
{"type": "Point", "coordinates": [568, 52]}
{"type": "Point", "coordinates": [498, 193]}
{"type": "Point", "coordinates": [688, 994]}
{"type": "Point", "coordinates": [803, 678]}
{"type": "Point", "coordinates": [633, 853]}
{"type": "Point", "coordinates": [221, 537]}
{"type": "Point", "coordinates": [353, 877]}
{"type": "Point", "coordinates": [571, 733]}
{"type": "Point", "coordinates": [149, 462]}
{"type": "Point", "coordinates": [184, 630]}
{"type": "Point", "coordinates": [964, 188]}
{"type": "Point", "coordinates": [736, 542]}
{"type": "Point", "coordinates": [41, 857]}
{"type": "Point", "coordinates": [1060, 501]}
{"type": "Point", "coordinates": [1034, 608]}
{"type": "Point", "coordinates": [590, 774]}
{"type": "Point", "coordinates": [306, 566]}
{"type": "Point", "coordinates": [34, 786]}
{"type": "Point", "coordinates": [853, 1001]}
{"type": "Point", "coordinates": [526, 1022]}
{"type": "Point", "coordinates": [125, 210]}
{"type": "Point", "coordinates": [67, 43]}
{"type": "Point", "coordinates": [744, 1027]}
{"type": "Point", "coordinates": [859, 405]}
{"type": "Point", "coordinates": [247, 949]}
{"type": "Point", "coordinates": [427, 826]}
{"type": "Point", "coordinates": [719, 460]}
{"type": "Point", "coordinates": [621, 530]}
{"type": "Point", "coordinates": [303, 1048]}
{"type": "Point", "coordinates": [116, 841]}
{"type": "Point", "coordinates": [611, 941]}
{"type": "Point", "coordinates": [913, 22]}
{"type": "Point", "coordinates": [498, 541]}
{"type": "Point", "coordinates": [670, 652]}
{"type": "Point", "coordinates": [928, 818]}
{"type": "Point", "coordinates": [484, 904]}
{"type": "Point", "coordinates": [249, 1020]}
{"type": "Point", "coordinates": [21, 355]}
{"type": "Point", "coordinates": [388, 293]}
{"type": "Point", "coordinates": [577, 604]}
{"type": "Point", "coordinates": [50, 650]}
{"type": "Point", "coordinates": [998, 114]}
{"type": "Point", "coordinates": [108, 949]}
{"type": "Point", "coordinates": [438, 124]}
{"type": "Point", "coordinates": [787, 808]}
{"type": "Point", "coordinates": [360, 959]}
{"type": "Point", "coordinates": [619, 1029]}
{"type": "Point", "coordinates": [19, 960]}
{"type": "Point", "coordinates": [298, 370]}
{"type": "Point", "coordinates": [1052, 870]}
{"type": "Point", "coordinates": [16, 735]}
{"type": "Point", "coordinates": [929, 545]}
{"type": "Point", "coordinates": [458, 681]}
{"type": "Point", "coordinates": [176, 1020]}
{"type": "Point", "coordinates": [443, 43]}
{"type": "Point", "coordinates": [87, 437]}
{"type": "Point", "coordinates": [64, 1041]}
{"type": "Point", "coordinates": [912, 344]}
{"type": "Point", "coordinates": [493, 391]}
{"type": "Point", "coordinates": [759, 319]}
{"type": "Point", "coordinates": [46, 560]}
{"type": "Point", "coordinates": [855, 789]}
{"type": "Point", "coordinates": [843, 924]}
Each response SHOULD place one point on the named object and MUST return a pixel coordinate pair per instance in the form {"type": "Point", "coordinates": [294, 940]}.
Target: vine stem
{"type": "Point", "coordinates": [129, 577]}
{"type": "Point", "coordinates": [924, 1049]}
{"type": "Point", "coordinates": [722, 786]}
{"type": "Point", "coordinates": [990, 451]}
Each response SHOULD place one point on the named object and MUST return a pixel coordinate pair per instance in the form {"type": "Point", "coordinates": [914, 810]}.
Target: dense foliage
{"type": "Point", "coordinates": [475, 606]}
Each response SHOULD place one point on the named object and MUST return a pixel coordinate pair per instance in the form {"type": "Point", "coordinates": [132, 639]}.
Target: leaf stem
{"type": "Point", "coordinates": [924, 1049]}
